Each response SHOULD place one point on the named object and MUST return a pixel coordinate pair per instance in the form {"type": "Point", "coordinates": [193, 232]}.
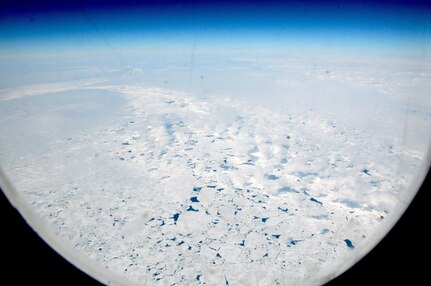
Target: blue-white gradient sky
{"type": "Point", "coordinates": [79, 28]}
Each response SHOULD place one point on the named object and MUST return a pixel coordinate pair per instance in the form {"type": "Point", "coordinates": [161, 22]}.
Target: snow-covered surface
{"type": "Point", "coordinates": [167, 187]}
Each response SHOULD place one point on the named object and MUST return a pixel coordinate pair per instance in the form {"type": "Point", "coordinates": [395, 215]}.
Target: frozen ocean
{"type": "Point", "coordinates": [177, 155]}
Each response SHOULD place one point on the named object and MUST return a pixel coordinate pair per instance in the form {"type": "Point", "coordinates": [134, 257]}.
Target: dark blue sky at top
{"type": "Point", "coordinates": [41, 6]}
{"type": "Point", "coordinates": [48, 20]}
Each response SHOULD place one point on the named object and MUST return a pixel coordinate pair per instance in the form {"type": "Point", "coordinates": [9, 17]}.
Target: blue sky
{"type": "Point", "coordinates": [396, 28]}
